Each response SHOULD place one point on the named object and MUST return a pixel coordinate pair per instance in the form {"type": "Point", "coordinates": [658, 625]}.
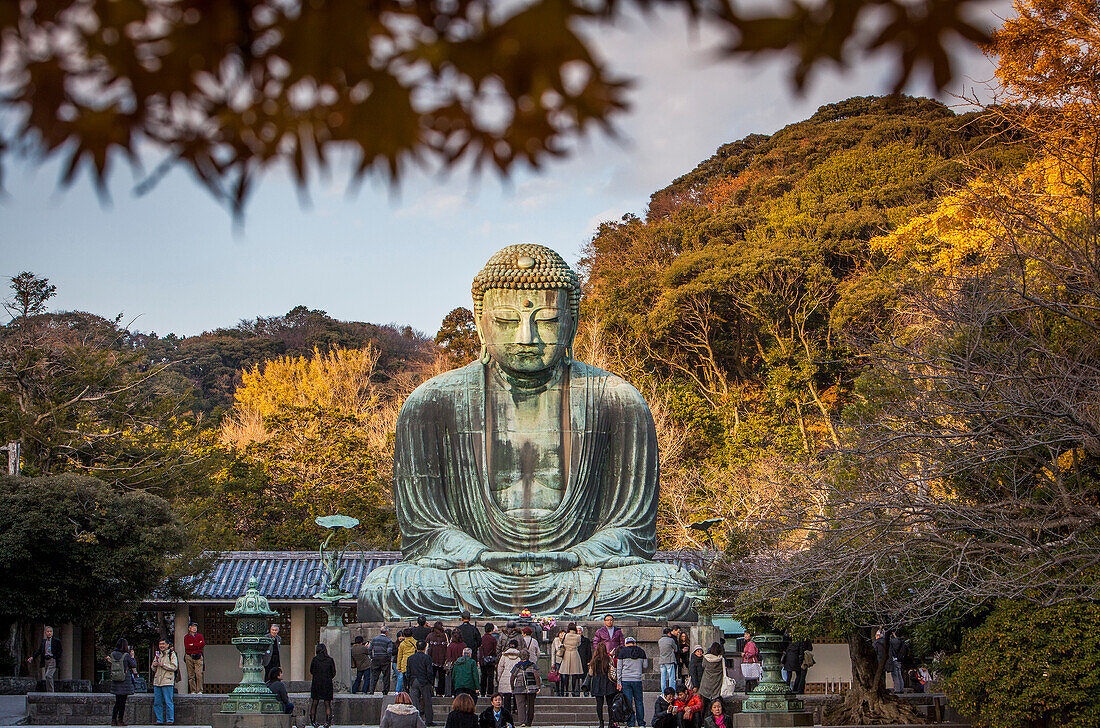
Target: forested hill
{"type": "Point", "coordinates": [760, 167]}
{"type": "Point", "coordinates": [735, 303]}
{"type": "Point", "coordinates": [250, 431]}
{"type": "Point", "coordinates": [214, 360]}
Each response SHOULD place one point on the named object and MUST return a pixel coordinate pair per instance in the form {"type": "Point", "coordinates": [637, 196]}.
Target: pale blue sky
{"type": "Point", "coordinates": [172, 261]}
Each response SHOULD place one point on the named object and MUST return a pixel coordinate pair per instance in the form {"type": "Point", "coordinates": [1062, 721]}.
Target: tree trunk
{"type": "Point", "coordinates": [13, 645]}
{"type": "Point", "coordinates": [868, 703]}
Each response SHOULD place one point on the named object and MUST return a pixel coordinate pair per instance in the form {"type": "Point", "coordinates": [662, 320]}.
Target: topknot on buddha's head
{"type": "Point", "coordinates": [527, 266]}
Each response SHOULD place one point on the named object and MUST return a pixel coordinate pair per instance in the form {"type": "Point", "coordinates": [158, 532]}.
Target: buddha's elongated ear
{"type": "Point", "coordinates": [484, 358]}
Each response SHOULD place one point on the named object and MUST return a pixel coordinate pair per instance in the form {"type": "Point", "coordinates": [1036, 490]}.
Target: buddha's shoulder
{"type": "Point", "coordinates": [610, 385]}
{"type": "Point", "coordinates": [446, 385]}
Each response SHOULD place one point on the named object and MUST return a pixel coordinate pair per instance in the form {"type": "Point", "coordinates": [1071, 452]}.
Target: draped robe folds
{"type": "Point", "coordinates": [448, 514]}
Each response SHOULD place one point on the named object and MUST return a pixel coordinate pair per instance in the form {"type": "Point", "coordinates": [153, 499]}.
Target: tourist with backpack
{"type": "Point", "coordinates": [628, 672]}
{"type": "Point", "coordinates": [526, 683]}
{"type": "Point", "coordinates": [123, 685]}
{"type": "Point", "coordinates": [165, 665]}
{"type": "Point", "coordinates": [437, 650]}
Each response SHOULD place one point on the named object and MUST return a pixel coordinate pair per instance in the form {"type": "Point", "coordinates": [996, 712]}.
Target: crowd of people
{"type": "Point", "coordinates": [466, 663]}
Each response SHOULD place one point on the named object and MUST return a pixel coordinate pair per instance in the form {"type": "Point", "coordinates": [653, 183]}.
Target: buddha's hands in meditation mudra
{"type": "Point", "coordinates": [526, 563]}
{"type": "Point", "coordinates": [518, 563]}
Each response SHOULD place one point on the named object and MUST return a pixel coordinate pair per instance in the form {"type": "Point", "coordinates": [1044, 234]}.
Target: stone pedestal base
{"type": "Point", "coordinates": [768, 720]}
{"type": "Point", "coordinates": [252, 720]}
{"type": "Point", "coordinates": [706, 635]}
{"type": "Point", "coordinates": [338, 642]}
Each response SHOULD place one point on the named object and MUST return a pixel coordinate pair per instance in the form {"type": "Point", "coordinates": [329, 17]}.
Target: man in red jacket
{"type": "Point", "coordinates": [689, 706]}
{"type": "Point", "coordinates": [193, 645]}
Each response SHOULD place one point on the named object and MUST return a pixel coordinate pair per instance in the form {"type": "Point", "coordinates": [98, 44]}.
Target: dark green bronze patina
{"type": "Point", "coordinates": [252, 695]}
{"type": "Point", "coordinates": [331, 591]}
{"type": "Point", "coordinates": [526, 479]}
{"type": "Point", "coordinates": [771, 694]}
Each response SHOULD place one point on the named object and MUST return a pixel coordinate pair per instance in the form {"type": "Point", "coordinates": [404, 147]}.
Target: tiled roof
{"type": "Point", "coordinates": [294, 575]}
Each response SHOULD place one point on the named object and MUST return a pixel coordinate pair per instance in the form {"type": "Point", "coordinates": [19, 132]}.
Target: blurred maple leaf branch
{"type": "Point", "coordinates": [226, 88]}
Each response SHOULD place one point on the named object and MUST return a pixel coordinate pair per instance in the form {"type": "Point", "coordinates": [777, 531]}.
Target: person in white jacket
{"type": "Point", "coordinates": [508, 660]}
{"type": "Point", "coordinates": [165, 665]}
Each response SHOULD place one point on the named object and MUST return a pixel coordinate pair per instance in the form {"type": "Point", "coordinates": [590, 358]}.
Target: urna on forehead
{"type": "Point", "coordinates": [527, 267]}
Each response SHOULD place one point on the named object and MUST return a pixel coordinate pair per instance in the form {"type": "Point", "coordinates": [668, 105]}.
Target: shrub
{"type": "Point", "coordinates": [1030, 666]}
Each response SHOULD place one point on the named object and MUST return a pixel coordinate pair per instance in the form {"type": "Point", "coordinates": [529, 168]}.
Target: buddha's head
{"type": "Point", "coordinates": [526, 301]}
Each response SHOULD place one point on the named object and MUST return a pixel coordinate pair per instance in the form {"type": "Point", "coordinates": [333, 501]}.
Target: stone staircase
{"type": "Point", "coordinates": [550, 710]}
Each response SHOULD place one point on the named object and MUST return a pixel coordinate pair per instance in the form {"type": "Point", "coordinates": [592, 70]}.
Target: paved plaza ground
{"type": "Point", "coordinates": [13, 710]}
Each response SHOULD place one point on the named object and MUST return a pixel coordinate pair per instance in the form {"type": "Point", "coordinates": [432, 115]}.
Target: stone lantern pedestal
{"type": "Point", "coordinates": [251, 704]}
{"type": "Point", "coordinates": [772, 702]}
{"type": "Point", "coordinates": [336, 637]}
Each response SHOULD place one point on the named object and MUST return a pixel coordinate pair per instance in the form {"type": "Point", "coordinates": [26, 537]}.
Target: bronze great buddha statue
{"type": "Point", "coordinates": [526, 479]}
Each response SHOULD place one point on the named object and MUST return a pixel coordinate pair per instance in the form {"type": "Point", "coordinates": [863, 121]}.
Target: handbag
{"type": "Point", "coordinates": [729, 686]}
{"type": "Point", "coordinates": [586, 684]}
{"type": "Point", "coordinates": [752, 670]}
{"type": "Point", "coordinates": [553, 675]}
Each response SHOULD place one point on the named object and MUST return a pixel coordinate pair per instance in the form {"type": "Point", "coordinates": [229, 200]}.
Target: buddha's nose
{"type": "Point", "coordinates": [528, 332]}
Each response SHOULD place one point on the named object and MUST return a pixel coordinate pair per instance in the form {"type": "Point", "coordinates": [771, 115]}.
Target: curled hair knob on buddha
{"type": "Point", "coordinates": [527, 266]}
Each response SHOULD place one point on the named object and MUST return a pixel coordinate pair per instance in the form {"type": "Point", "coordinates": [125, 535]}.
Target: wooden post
{"type": "Point", "coordinates": [68, 654]}
{"type": "Point", "coordinates": [297, 662]}
{"type": "Point", "coordinates": [87, 653]}
{"type": "Point", "coordinates": [180, 630]}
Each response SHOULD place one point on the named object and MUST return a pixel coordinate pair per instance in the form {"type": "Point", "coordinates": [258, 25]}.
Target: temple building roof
{"type": "Point", "coordinates": [291, 576]}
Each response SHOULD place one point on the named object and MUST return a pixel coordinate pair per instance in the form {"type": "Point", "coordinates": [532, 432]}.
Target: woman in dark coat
{"type": "Point", "coordinates": [695, 667]}
{"type": "Point", "coordinates": [437, 650]}
{"type": "Point", "coordinates": [585, 652]}
{"type": "Point", "coordinates": [792, 662]}
{"type": "Point", "coordinates": [122, 656]}
{"type": "Point", "coordinates": [683, 656]}
{"type": "Point", "coordinates": [601, 672]}
{"type": "Point", "coordinates": [323, 670]}
{"type": "Point", "coordinates": [454, 651]}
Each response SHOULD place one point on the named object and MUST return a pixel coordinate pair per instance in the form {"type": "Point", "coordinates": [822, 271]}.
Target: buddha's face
{"type": "Point", "coordinates": [526, 331]}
